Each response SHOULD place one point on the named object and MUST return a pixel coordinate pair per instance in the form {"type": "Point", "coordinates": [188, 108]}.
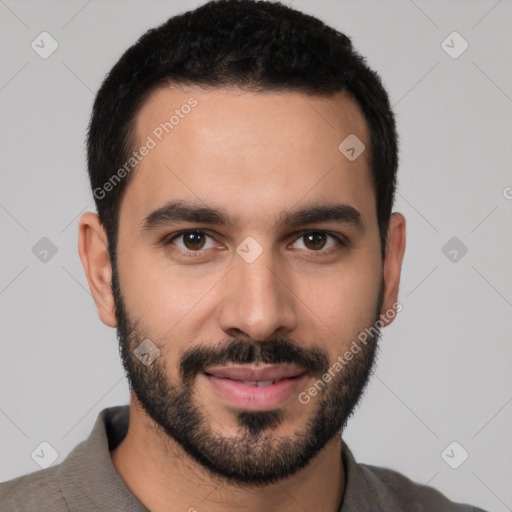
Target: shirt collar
{"type": "Point", "coordinates": [88, 474]}
{"type": "Point", "coordinates": [364, 490]}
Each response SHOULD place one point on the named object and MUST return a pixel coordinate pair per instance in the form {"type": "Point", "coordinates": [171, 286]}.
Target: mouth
{"type": "Point", "coordinates": [255, 388]}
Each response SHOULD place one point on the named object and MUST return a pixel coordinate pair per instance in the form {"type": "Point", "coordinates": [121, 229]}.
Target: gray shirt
{"type": "Point", "coordinates": [87, 481]}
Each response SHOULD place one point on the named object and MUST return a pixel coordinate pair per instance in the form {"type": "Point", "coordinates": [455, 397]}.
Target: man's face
{"type": "Point", "coordinates": [247, 315]}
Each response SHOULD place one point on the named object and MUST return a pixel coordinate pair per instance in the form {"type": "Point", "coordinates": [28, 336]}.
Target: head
{"type": "Point", "coordinates": [234, 229]}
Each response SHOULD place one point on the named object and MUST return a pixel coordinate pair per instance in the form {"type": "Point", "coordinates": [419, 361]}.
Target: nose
{"type": "Point", "coordinates": [258, 301]}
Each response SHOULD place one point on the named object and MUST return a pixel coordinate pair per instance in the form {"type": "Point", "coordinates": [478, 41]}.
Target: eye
{"type": "Point", "coordinates": [317, 240]}
{"type": "Point", "coordinates": [193, 241]}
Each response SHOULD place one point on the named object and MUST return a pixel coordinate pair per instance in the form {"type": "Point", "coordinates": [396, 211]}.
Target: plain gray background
{"type": "Point", "coordinates": [445, 368]}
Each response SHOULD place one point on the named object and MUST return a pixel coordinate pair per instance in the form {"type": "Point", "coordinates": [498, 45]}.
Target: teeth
{"type": "Point", "coordinates": [260, 384]}
{"type": "Point", "coordinates": [264, 383]}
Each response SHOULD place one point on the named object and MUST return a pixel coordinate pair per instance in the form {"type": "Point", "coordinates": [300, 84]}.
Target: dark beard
{"type": "Point", "coordinates": [256, 457]}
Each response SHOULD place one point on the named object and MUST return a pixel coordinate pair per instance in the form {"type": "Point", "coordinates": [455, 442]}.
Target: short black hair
{"type": "Point", "coordinates": [253, 45]}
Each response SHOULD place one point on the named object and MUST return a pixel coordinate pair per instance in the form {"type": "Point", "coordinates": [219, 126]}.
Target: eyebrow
{"type": "Point", "coordinates": [181, 211]}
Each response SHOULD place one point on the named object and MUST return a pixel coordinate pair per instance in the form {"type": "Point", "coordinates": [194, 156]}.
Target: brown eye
{"type": "Point", "coordinates": [318, 241]}
{"type": "Point", "coordinates": [193, 240]}
{"type": "Point", "coordinates": [315, 241]}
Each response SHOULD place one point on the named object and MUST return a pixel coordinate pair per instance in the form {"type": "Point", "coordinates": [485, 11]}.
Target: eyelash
{"type": "Point", "coordinates": [340, 240]}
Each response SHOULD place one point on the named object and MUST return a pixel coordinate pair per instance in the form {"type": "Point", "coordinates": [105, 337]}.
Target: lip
{"type": "Point", "coordinates": [231, 384]}
{"type": "Point", "coordinates": [255, 373]}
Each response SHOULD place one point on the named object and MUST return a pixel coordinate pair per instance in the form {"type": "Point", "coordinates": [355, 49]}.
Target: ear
{"type": "Point", "coordinates": [93, 250]}
{"type": "Point", "coordinates": [395, 248]}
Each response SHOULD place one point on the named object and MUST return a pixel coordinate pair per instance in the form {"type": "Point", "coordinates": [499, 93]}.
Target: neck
{"type": "Point", "coordinates": [166, 479]}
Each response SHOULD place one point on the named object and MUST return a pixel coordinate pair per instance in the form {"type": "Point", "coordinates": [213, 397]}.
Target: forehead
{"type": "Point", "coordinates": [254, 154]}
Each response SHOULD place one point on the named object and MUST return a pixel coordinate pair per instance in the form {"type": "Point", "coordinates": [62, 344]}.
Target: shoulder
{"type": "Point", "coordinates": [35, 492]}
{"type": "Point", "coordinates": [400, 491]}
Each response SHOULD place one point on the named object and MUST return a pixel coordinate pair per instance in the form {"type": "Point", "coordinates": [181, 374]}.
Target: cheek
{"type": "Point", "coordinates": [343, 304]}
{"type": "Point", "coordinates": [163, 298]}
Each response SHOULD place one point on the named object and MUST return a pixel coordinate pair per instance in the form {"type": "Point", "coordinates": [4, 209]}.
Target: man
{"type": "Point", "coordinates": [243, 160]}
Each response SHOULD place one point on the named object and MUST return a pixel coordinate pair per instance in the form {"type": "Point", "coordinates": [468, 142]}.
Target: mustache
{"type": "Point", "coordinates": [241, 351]}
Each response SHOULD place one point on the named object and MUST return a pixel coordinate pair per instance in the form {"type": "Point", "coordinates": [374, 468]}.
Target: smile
{"type": "Point", "coordinates": [255, 388]}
